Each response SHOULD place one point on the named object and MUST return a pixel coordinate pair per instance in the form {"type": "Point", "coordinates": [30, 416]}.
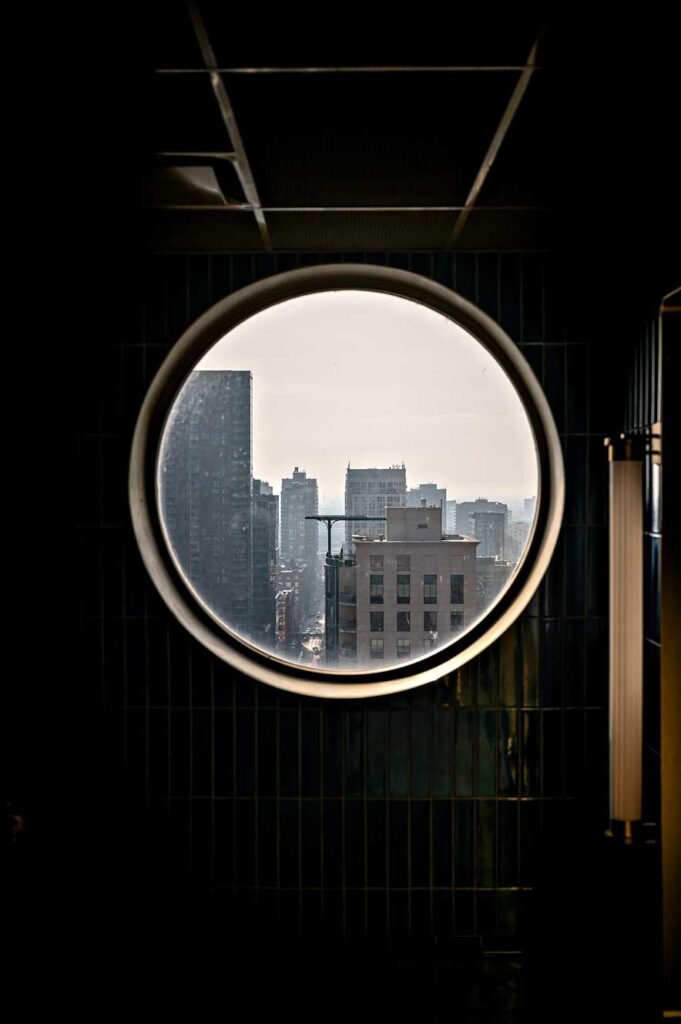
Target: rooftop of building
{"type": "Point", "coordinates": [444, 538]}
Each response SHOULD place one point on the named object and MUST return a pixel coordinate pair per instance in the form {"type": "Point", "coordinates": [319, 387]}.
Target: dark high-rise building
{"type": "Point", "coordinates": [299, 539]}
{"type": "Point", "coordinates": [205, 491]}
{"type": "Point", "coordinates": [265, 536]}
{"type": "Point", "coordinates": [487, 521]}
{"type": "Point", "coordinates": [490, 529]}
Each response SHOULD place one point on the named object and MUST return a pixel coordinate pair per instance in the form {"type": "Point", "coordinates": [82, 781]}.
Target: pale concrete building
{"type": "Point", "coordinates": [432, 495]}
{"type": "Point", "coordinates": [450, 522]}
{"type": "Point", "coordinates": [368, 492]}
{"type": "Point", "coordinates": [407, 593]}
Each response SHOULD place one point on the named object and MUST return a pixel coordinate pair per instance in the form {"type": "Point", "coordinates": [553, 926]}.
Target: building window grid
{"type": "Point", "coordinates": [403, 588]}
{"type": "Point", "coordinates": [376, 647]}
{"type": "Point", "coordinates": [376, 622]}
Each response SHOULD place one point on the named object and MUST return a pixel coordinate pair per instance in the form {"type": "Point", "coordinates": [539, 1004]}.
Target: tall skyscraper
{"type": "Point", "coordinates": [368, 492]}
{"type": "Point", "coordinates": [265, 561]}
{"type": "Point", "coordinates": [205, 490]}
{"type": "Point", "coordinates": [299, 498]}
{"type": "Point", "coordinates": [490, 529]}
{"type": "Point", "coordinates": [299, 543]}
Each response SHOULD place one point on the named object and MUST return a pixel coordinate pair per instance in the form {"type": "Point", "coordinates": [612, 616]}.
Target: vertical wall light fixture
{"type": "Point", "coordinates": [625, 457]}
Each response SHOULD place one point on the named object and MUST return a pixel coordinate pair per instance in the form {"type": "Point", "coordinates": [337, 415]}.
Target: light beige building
{"type": "Point", "coordinates": [407, 593]}
{"type": "Point", "coordinates": [367, 493]}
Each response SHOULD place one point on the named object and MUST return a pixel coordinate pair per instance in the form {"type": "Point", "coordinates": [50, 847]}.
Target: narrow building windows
{"type": "Point", "coordinates": [403, 588]}
{"type": "Point", "coordinates": [403, 622]}
{"type": "Point", "coordinates": [456, 589]}
{"type": "Point", "coordinates": [376, 622]}
{"type": "Point", "coordinates": [430, 588]}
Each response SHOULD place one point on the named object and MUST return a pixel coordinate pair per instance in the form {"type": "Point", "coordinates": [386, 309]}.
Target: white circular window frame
{"type": "Point", "coordinates": [208, 329]}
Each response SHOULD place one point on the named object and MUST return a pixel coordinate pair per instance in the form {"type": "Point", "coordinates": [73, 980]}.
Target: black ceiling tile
{"type": "Point", "coordinates": [366, 139]}
{"type": "Point", "coordinates": [290, 40]}
{"type": "Point", "coordinates": [357, 231]}
{"type": "Point", "coordinates": [506, 230]}
{"type": "Point", "coordinates": [178, 231]}
{"type": "Point", "coordinates": [184, 116]}
{"type": "Point", "coordinates": [524, 172]}
{"type": "Point", "coordinates": [171, 38]}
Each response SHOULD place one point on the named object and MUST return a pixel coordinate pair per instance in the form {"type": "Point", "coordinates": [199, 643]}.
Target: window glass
{"type": "Point", "coordinates": [376, 647]}
{"type": "Point", "coordinates": [430, 588]}
{"type": "Point", "coordinates": [430, 622]}
{"type": "Point", "coordinates": [376, 589]}
{"type": "Point", "coordinates": [456, 589]}
{"type": "Point", "coordinates": [403, 648]}
{"type": "Point", "coordinates": [403, 589]}
{"type": "Point", "coordinates": [294, 449]}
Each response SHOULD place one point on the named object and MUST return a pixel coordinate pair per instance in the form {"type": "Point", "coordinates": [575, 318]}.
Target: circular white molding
{"type": "Point", "coordinates": [213, 325]}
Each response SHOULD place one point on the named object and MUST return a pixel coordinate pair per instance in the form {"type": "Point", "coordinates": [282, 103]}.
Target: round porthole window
{"type": "Point", "coordinates": [346, 480]}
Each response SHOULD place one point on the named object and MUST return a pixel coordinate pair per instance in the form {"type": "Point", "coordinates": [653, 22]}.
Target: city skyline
{"type": "Point", "coordinates": [450, 415]}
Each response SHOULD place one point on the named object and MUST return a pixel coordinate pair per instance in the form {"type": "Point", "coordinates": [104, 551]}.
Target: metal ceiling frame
{"type": "Point", "coordinates": [350, 69]}
{"type": "Point", "coordinates": [240, 160]}
{"type": "Point", "coordinates": [495, 145]}
{"type": "Point", "coordinates": [347, 209]}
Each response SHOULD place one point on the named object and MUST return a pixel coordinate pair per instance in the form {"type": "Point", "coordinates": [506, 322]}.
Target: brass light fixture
{"type": "Point", "coordinates": [625, 457]}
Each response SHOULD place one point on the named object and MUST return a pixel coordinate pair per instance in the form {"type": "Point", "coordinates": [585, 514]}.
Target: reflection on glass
{"type": "Point", "coordinates": [294, 481]}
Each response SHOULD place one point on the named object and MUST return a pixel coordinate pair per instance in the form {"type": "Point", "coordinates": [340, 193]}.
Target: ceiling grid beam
{"type": "Point", "coordinates": [241, 164]}
{"type": "Point", "coordinates": [496, 143]}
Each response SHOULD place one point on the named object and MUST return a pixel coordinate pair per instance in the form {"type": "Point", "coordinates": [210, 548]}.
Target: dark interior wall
{"type": "Point", "coordinates": [180, 791]}
{"type": "Point", "coordinates": [431, 814]}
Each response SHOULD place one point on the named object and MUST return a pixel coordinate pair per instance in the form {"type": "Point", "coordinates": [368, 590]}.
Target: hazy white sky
{"type": "Point", "coordinates": [373, 379]}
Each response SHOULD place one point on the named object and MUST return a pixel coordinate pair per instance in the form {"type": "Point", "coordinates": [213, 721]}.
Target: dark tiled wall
{"type": "Point", "coordinates": [429, 814]}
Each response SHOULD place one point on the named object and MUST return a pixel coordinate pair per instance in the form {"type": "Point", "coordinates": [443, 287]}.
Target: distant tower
{"type": "Point", "coordinates": [265, 537]}
{"type": "Point", "coordinates": [481, 519]}
{"type": "Point", "coordinates": [490, 529]}
{"type": "Point", "coordinates": [299, 498]}
{"type": "Point", "coordinates": [368, 492]}
{"type": "Point", "coordinates": [434, 496]}
{"type": "Point", "coordinates": [205, 490]}
{"type": "Point", "coordinates": [299, 539]}
{"type": "Point", "coordinates": [450, 523]}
